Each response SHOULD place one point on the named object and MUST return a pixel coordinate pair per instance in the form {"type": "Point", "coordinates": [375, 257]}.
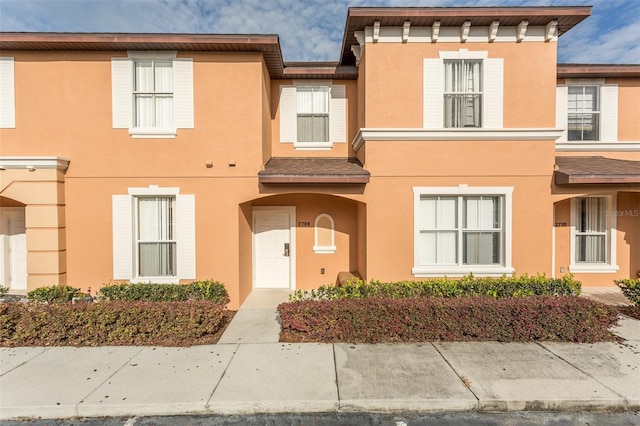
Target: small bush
{"type": "Point", "coordinates": [54, 294]}
{"type": "Point", "coordinates": [110, 323]}
{"type": "Point", "coordinates": [420, 319]}
{"type": "Point", "coordinates": [631, 289]}
{"type": "Point", "coordinates": [447, 287]}
{"type": "Point", "coordinates": [3, 290]}
{"type": "Point", "coordinates": [198, 290]}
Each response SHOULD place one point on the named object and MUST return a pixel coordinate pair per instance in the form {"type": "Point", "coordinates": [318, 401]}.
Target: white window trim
{"type": "Point", "coordinates": [152, 190]}
{"type": "Point", "coordinates": [123, 108]}
{"type": "Point", "coordinates": [610, 265]}
{"type": "Point", "coordinates": [608, 118]}
{"type": "Point", "coordinates": [492, 90]}
{"type": "Point", "coordinates": [318, 249]}
{"type": "Point", "coordinates": [337, 115]}
{"type": "Point", "coordinates": [125, 252]}
{"type": "Point", "coordinates": [461, 270]}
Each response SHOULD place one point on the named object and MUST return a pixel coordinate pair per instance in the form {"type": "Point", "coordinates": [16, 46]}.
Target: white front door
{"type": "Point", "coordinates": [13, 246]}
{"type": "Point", "coordinates": [272, 248]}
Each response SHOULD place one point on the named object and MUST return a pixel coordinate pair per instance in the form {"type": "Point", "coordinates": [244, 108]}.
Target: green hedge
{"type": "Point", "coordinates": [447, 287]}
{"type": "Point", "coordinates": [631, 289]}
{"type": "Point", "coordinates": [198, 290]}
{"type": "Point", "coordinates": [110, 323]}
{"type": "Point", "coordinates": [423, 319]}
{"type": "Point", "coordinates": [54, 294]}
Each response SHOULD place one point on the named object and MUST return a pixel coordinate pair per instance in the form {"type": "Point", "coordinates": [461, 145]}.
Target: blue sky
{"type": "Point", "coordinates": [310, 30]}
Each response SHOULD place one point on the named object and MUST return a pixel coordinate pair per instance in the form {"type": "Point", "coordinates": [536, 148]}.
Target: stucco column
{"type": "Point", "coordinates": [38, 183]}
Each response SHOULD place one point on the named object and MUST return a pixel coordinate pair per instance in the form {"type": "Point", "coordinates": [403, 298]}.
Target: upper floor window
{"type": "Point", "coordinates": [463, 89]}
{"type": "Point", "coordinates": [313, 115]}
{"type": "Point", "coordinates": [153, 94]}
{"type": "Point", "coordinates": [587, 112]}
{"type": "Point", "coordinates": [584, 113]}
{"type": "Point", "coordinates": [462, 93]}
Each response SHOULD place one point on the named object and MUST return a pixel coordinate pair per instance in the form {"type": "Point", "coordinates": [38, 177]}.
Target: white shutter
{"type": "Point", "coordinates": [492, 108]}
{"type": "Point", "coordinates": [562, 108]}
{"type": "Point", "coordinates": [433, 94]}
{"type": "Point", "coordinates": [186, 236]}
{"type": "Point", "coordinates": [338, 114]}
{"type": "Point", "coordinates": [122, 92]}
{"type": "Point", "coordinates": [122, 237]}
{"type": "Point", "coordinates": [609, 113]}
{"type": "Point", "coordinates": [288, 114]}
{"type": "Point", "coordinates": [183, 93]}
{"type": "Point", "coordinates": [7, 94]}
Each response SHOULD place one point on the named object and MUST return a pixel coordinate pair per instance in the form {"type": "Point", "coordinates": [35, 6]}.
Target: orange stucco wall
{"type": "Point", "coordinates": [394, 80]}
{"type": "Point", "coordinates": [64, 107]}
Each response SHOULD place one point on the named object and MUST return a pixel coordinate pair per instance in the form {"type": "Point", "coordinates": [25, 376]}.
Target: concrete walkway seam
{"type": "Point", "coordinates": [459, 376]}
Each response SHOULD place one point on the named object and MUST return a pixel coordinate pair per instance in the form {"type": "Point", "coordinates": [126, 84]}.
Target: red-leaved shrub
{"type": "Point", "coordinates": [109, 323]}
{"type": "Point", "coordinates": [420, 319]}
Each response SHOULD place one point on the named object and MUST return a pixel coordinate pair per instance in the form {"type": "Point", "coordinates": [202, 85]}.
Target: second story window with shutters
{"type": "Point", "coordinates": [584, 113]}
{"type": "Point", "coordinates": [463, 93]}
{"type": "Point", "coordinates": [153, 94]}
{"type": "Point", "coordinates": [313, 114]}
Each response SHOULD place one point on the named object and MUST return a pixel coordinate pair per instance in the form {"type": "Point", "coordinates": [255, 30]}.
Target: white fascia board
{"type": "Point", "coordinates": [61, 163]}
{"type": "Point", "coordinates": [442, 34]}
{"type": "Point", "coordinates": [620, 146]}
{"type": "Point", "coordinates": [457, 134]}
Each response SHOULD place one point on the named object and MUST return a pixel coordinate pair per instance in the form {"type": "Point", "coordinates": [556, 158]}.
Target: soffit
{"type": "Point", "coordinates": [360, 17]}
{"type": "Point", "coordinates": [267, 45]}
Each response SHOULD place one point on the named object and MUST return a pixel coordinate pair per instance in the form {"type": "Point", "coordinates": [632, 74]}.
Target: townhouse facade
{"type": "Point", "coordinates": [445, 141]}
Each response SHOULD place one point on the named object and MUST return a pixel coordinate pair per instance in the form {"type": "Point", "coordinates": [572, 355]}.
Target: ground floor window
{"type": "Point", "coordinates": [156, 244]}
{"type": "Point", "coordinates": [462, 230]}
{"type": "Point", "coordinates": [154, 235]}
{"type": "Point", "coordinates": [593, 245]}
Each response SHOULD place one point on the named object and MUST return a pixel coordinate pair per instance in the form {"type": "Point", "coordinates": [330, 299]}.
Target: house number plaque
{"type": "Point", "coordinates": [304, 224]}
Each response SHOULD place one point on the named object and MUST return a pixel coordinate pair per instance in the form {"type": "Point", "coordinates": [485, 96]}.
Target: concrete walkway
{"type": "Point", "coordinates": [257, 319]}
{"type": "Point", "coordinates": [242, 377]}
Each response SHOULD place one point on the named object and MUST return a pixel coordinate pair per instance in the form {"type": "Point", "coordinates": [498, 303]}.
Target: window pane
{"type": "Point", "coordinates": [427, 247]}
{"type": "Point", "coordinates": [447, 247]}
{"type": "Point", "coordinates": [304, 100]}
{"type": "Point", "coordinates": [164, 111]}
{"type": "Point", "coordinates": [313, 128]}
{"type": "Point", "coordinates": [591, 248]}
{"type": "Point", "coordinates": [144, 111]}
{"type": "Point", "coordinates": [481, 248]}
{"type": "Point", "coordinates": [164, 77]}
{"type": "Point", "coordinates": [591, 217]}
{"type": "Point", "coordinates": [482, 212]}
{"type": "Point", "coordinates": [157, 259]}
{"type": "Point", "coordinates": [144, 76]}
{"type": "Point", "coordinates": [462, 110]}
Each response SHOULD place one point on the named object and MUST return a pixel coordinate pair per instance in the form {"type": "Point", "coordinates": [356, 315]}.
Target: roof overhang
{"type": "Point", "coordinates": [294, 170]}
{"type": "Point", "coordinates": [596, 170]}
{"type": "Point", "coordinates": [267, 45]}
{"type": "Point", "coordinates": [358, 18]}
{"type": "Point", "coordinates": [598, 71]}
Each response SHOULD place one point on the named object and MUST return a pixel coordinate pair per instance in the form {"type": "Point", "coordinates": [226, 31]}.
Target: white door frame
{"type": "Point", "coordinates": [292, 240]}
{"type": "Point", "coordinates": [10, 267]}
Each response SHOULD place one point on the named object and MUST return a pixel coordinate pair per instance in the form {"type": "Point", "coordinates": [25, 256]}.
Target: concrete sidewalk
{"type": "Point", "coordinates": [244, 378]}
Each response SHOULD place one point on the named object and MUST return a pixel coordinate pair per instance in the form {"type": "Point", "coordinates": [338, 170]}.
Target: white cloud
{"type": "Point", "coordinates": [309, 30]}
